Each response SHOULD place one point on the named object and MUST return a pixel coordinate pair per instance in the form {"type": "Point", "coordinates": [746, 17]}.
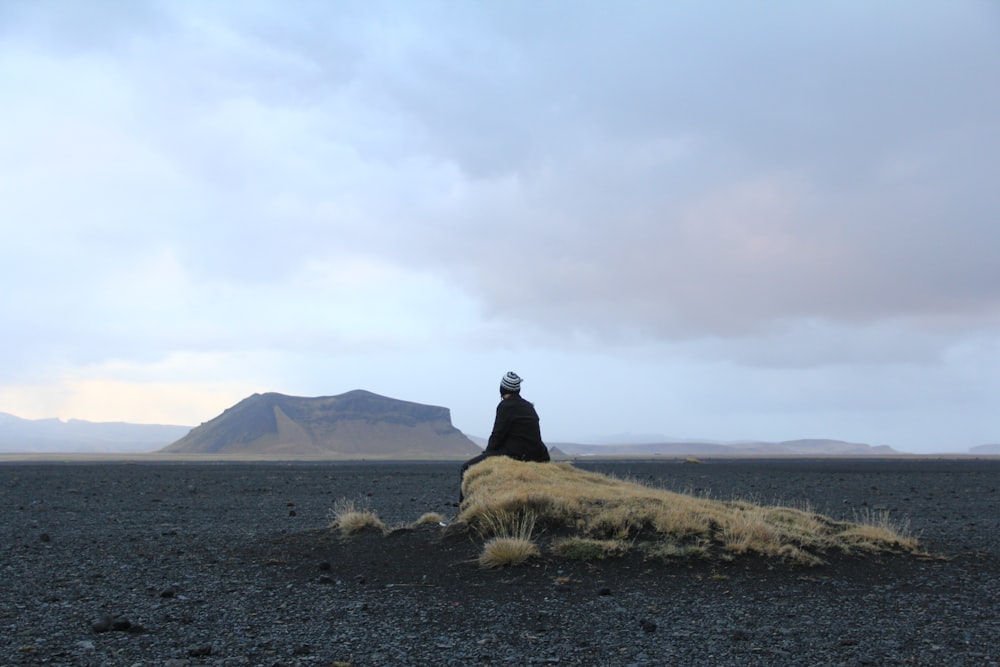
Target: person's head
{"type": "Point", "coordinates": [510, 384]}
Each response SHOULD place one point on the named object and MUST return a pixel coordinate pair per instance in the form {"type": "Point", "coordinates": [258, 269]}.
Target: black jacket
{"type": "Point", "coordinates": [515, 431]}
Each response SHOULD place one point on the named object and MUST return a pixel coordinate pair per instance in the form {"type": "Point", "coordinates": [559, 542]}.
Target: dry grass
{"type": "Point", "coordinates": [509, 537]}
{"type": "Point", "coordinates": [507, 551]}
{"type": "Point", "coordinates": [350, 518]}
{"type": "Point", "coordinates": [584, 505]}
{"type": "Point", "coordinates": [430, 519]}
{"type": "Point", "coordinates": [877, 528]}
{"type": "Point", "coordinates": [670, 550]}
{"type": "Point", "coordinates": [585, 548]}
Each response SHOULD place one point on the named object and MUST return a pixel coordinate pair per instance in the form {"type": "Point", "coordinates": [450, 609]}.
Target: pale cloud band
{"type": "Point", "coordinates": [769, 187]}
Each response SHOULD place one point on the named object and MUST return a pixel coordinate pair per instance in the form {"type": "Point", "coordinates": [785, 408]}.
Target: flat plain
{"type": "Point", "coordinates": [225, 563]}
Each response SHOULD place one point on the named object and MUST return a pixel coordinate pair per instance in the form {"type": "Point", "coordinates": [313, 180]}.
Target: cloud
{"type": "Point", "coordinates": [794, 189]}
{"type": "Point", "coordinates": [642, 199]}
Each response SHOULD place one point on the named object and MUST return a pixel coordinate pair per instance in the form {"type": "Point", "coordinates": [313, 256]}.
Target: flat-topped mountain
{"type": "Point", "coordinates": [357, 424]}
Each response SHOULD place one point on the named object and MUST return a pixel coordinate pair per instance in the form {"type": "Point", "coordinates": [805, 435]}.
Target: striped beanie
{"type": "Point", "coordinates": [511, 383]}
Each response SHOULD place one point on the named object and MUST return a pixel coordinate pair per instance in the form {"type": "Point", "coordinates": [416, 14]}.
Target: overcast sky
{"type": "Point", "coordinates": [718, 220]}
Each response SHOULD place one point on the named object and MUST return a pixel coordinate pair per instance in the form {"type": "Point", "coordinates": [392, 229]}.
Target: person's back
{"type": "Point", "coordinates": [516, 431]}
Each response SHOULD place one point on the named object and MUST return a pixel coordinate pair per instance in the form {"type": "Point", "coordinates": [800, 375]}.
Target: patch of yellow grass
{"type": "Point", "coordinates": [875, 530]}
{"type": "Point", "coordinates": [510, 537]}
{"type": "Point", "coordinates": [507, 522]}
{"type": "Point", "coordinates": [503, 551]}
{"type": "Point", "coordinates": [592, 506]}
{"type": "Point", "coordinates": [780, 532]}
{"type": "Point", "coordinates": [430, 519]}
{"type": "Point", "coordinates": [350, 519]}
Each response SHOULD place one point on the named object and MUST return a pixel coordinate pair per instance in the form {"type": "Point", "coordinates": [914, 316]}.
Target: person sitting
{"type": "Point", "coordinates": [516, 431]}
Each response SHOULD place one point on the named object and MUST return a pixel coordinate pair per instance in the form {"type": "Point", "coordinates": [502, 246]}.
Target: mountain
{"type": "Point", "coordinates": [814, 447]}
{"type": "Point", "coordinates": [985, 450]}
{"type": "Point", "coordinates": [54, 436]}
{"type": "Point", "coordinates": [358, 424]}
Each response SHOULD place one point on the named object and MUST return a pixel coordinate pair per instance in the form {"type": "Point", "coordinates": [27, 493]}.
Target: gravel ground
{"type": "Point", "coordinates": [230, 564]}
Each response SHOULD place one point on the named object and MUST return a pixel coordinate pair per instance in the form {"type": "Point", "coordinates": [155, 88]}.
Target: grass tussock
{"type": "Point", "coordinates": [430, 519]}
{"type": "Point", "coordinates": [350, 518]}
{"type": "Point", "coordinates": [507, 551]}
{"type": "Point", "coordinates": [587, 509]}
{"type": "Point", "coordinates": [509, 537]}
{"type": "Point", "coordinates": [670, 550]}
{"type": "Point", "coordinates": [875, 527]}
{"type": "Point", "coordinates": [587, 549]}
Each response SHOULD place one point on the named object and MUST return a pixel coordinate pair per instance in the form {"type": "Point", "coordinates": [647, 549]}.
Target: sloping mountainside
{"type": "Point", "coordinates": [358, 424]}
{"type": "Point", "coordinates": [79, 436]}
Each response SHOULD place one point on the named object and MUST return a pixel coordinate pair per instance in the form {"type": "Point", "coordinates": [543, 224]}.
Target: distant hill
{"type": "Point", "coordinates": [986, 450]}
{"type": "Point", "coordinates": [54, 436]}
{"type": "Point", "coordinates": [816, 447]}
{"type": "Point", "coordinates": [357, 424]}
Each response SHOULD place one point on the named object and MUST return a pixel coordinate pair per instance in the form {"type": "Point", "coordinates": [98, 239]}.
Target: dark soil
{"type": "Point", "coordinates": [232, 564]}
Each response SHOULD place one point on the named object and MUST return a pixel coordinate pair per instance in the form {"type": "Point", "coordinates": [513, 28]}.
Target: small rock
{"type": "Point", "coordinates": [103, 624]}
{"type": "Point", "coordinates": [44, 537]}
{"type": "Point", "coordinates": [604, 591]}
{"type": "Point", "coordinates": [291, 513]}
{"type": "Point", "coordinates": [324, 566]}
{"type": "Point", "coordinates": [168, 592]}
{"type": "Point", "coordinates": [647, 626]}
{"type": "Point", "coordinates": [107, 623]}
{"type": "Point", "coordinates": [325, 579]}
{"type": "Point", "coordinates": [200, 651]}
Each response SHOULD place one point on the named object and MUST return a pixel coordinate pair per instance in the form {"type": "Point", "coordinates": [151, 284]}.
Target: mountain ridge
{"type": "Point", "coordinates": [77, 436]}
{"type": "Point", "coordinates": [51, 435]}
{"type": "Point", "coordinates": [800, 447]}
{"type": "Point", "coordinates": [358, 423]}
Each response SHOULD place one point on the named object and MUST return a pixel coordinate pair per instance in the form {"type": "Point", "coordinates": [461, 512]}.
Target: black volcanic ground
{"type": "Point", "coordinates": [228, 564]}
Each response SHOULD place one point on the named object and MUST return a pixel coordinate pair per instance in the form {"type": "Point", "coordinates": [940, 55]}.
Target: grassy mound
{"type": "Point", "coordinates": [587, 515]}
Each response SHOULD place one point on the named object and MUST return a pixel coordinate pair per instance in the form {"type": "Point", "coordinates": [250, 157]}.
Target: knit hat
{"type": "Point", "coordinates": [511, 383]}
